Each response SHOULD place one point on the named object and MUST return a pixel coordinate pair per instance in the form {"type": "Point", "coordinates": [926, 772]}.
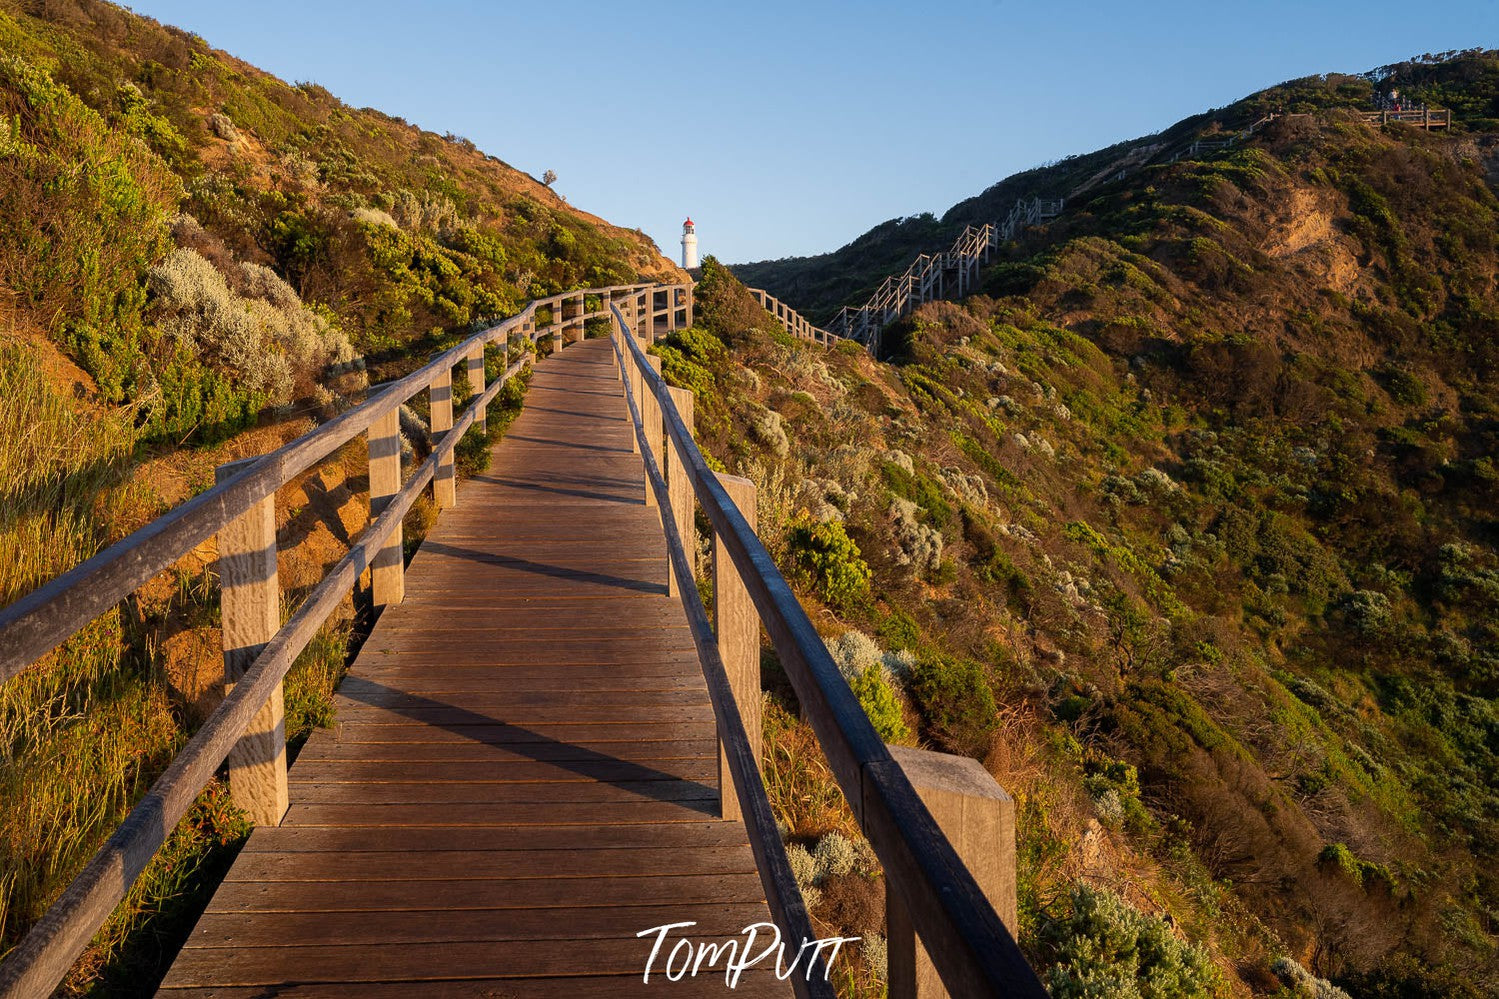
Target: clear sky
{"type": "Point", "coordinates": [787, 128]}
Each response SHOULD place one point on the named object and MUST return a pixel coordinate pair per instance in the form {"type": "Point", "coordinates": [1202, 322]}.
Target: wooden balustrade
{"type": "Point", "coordinates": [931, 276]}
{"type": "Point", "coordinates": [250, 616]}
{"type": "Point", "coordinates": [247, 727]}
{"type": "Point", "coordinates": [796, 324]}
{"type": "Point", "coordinates": [979, 819]}
{"type": "Point", "coordinates": [923, 856]}
{"type": "Point", "coordinates": [645, 388]}
{"type": "Point", "coordinates": [921, 847]}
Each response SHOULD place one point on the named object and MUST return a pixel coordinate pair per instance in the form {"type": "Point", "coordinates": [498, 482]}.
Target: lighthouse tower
{"type": "Point", "coordinates": [689, 245]}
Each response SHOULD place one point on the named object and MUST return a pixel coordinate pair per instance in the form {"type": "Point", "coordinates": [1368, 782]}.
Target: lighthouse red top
{"type": "Point", "coordinates": [687, 224]}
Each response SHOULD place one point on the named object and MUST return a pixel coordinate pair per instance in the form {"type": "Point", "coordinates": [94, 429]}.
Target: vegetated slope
{"type": "Point", "coordinates": [1187, 529]}
{"type": "Point", "coordinates": [199, 262]}
{"type": "Point", "coordinates": [820, 285]}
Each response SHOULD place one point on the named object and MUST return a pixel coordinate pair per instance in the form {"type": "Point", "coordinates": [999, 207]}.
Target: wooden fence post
{"type": "Point", "coordinates": [631, 374]}
{"type": "Point", "coordinates": [476, 386]}
{"type": "Point", "coordinates": [978, 819]}
{"type": "Point", "coordinates": [387, 571]}
{"type": "Point", "coordinates": [650, 410]}
{"type": "Point", "coordinates": [440, 400]}
{"type": "Point", "coordinates": [738, 629]}
{"type": "Point", "coordinates": [606, 305]}
{"type": "Point", "coordinates": [250, 598]}
{"type": "Point", "coordinates": [559, 312]}
{"type": "Point", "coordinates": [679, 488]}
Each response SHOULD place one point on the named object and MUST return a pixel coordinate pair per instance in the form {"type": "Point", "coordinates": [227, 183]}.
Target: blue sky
{"type": "Point", "coordinates": [786, 128]}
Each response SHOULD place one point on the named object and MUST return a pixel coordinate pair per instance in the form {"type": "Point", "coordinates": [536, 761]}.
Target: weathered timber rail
{"type": "Point", "coordinates": [246, 728]}
{"type": "Point", "coordinates": [1427, 118]}
{"type": "Point", "coordinates": [795, 323]}
{"type": "Point", "coordinates": [953, 272]}
{"type": "Point", "coordinates": [539, 753]}
{"type": "Point", "coordinates": [928, 885]}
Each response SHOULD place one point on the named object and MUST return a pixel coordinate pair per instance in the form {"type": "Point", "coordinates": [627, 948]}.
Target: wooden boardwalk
{"type": "Point", "coordinates": [524, 772]}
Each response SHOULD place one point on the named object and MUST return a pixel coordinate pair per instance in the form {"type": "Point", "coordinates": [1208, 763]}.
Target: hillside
{"type": "Point", "coordinates": [1467, 83]}
{"type": "Point", "coordinates": [199, 262]}
{"type": "Point", "coordinates": [1186, 527]}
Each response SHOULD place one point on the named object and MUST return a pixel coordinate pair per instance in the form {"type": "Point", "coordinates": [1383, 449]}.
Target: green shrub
{"type": "Point", "coordinates": [956, 702]}
{"type": "Point", "coordinates": [1337, 857]}
{"type": "Point", "coordinates": [826, 558]}
{"type": "Point", "coordinates": [1114, 787]}
{"type": "Point", "coordinates": [899, 630]}
{"type": "Point", "coordinates": [1101, 948]}
{"type": "Point", "coordinates": [726, 309]}
{"type": "Point", "coordinates": [880, 703]}
{"type": "Point", "coordinates": [690, 359]}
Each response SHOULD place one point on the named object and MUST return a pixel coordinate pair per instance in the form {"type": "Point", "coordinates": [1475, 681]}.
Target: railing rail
{"type": "Point", "coordinates": [781, 891]}
{"type": "Point", "coordinates": [34, 625]}
{"type": "Point", "coordinates": [973, 951]}
{"type": "Point", "coordinates": [795, 323]}
{"type": "Point", "coordinates": [936, 275]}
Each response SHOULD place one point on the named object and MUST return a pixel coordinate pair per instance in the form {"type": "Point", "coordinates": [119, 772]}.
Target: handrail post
{"type": "Point", "coordinates": [630, 374]}
{"type": "Point", "coordinates": [978, 819]}
{"type": "Point", "coordinates": [440, 400]}
{"type": "Point", "coordinates": [559, 314]}
{"type": "Point", "coordinates": [650, 411]}
{"type": "Point", "coordinates": [475, 362]}
{"type": "Point", "coordinates": [250, 600]}
{"type": "Point", "coordinates": [606, 302]}
{"type": "Point", "coordinates": [387, 570]}
{"type": "Point", "coordinates": [737, 626]}
{"type": "Point", "coordinates": [679, 487]}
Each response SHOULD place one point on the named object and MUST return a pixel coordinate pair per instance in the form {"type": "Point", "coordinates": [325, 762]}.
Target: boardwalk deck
{"type": "Point", "coordinates": [523, 775]}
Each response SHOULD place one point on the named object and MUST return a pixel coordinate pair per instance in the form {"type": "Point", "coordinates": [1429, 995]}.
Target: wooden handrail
{"type": "Point", "coordinates": [47, 616]}
{"type": "Point", "coordinates": [795, 323]}
{"type": "Point", "coordinates": [972, 949]}
{"type": "Point", "coordinates": [43, 958]}
{"type": "Point", "coordinates": [35, 625]}
{"type": "Point", "coordinates": [924, 278]}
{"type": "Point", "coordinates": [781, 891]}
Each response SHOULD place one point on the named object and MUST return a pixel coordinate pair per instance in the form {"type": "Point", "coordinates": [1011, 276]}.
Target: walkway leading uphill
{"type": "Point", "coordinates": [547, 747]}
{"type": "Point", "coordinates": [524, 774]}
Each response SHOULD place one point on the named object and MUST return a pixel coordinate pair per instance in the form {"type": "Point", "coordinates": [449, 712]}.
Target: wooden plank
{"type": "Point", "coordinates": [521, 771]}
{"type": "Point", "coordinates": [536, 893]}
{"type": "Point", "coordinates": [419, 840]}
{"type": "Point", "coordinates": [428, 752]}
{"type": "Point", "coordinates": [479, 814]}
{"type": "Point", "coordinates": [641, 678]}
{"type": "Point", "coordinates": [457, 653]}
{"type": "Point", "coordinates": [476, 865]}
{"type": "Point", "coordinates": [459, 794]}
{"type": "Point", "coordinates": [410, 962]}
{"type": "Point", "coordinates": [474, 925]}
{"type": "Point", "coordinates": [409, 696]}
{"type": "Point", "coordinates": [754, 984]}
{"type": "Point", "coordinates": [450, 716]}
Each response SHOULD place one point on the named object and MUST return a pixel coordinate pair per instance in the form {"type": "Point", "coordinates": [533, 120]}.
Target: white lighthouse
{"type": "Point", "coordinates": [689, 245]}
